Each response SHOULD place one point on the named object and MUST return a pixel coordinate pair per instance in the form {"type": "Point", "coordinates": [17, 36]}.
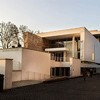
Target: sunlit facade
{"type": "Point", "coordinates": [76, 43]}
{"type": "Point", "coordinates": [55, 54]}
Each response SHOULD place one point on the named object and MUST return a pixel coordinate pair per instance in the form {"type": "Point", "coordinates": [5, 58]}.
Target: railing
{"type": "Point", "coordinates": [19, 76]}
{"type": "Point", "coordinates": [36, 76]}
{"type": "Point", "coordinates": [61, 44]}
{"type": "Point", "coordinates": [59, 59]}
{"type": "Point", "coordinates": [56, 45]}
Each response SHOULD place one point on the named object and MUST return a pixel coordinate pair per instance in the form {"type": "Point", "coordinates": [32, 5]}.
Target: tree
{"type": "Point", "coordinates": [22, 30]}
{"type": "Point", "coordinates": [9, 35]}
{"type": "Point", "coordinates": [12, 36]}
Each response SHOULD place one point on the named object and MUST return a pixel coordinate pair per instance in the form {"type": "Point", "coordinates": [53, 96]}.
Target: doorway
{"type": "Point", "coordinates": [60, 71]}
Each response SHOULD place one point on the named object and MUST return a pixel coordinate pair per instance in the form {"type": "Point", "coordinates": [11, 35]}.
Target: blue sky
{"type": "Point", "coordinates": [50, 15]}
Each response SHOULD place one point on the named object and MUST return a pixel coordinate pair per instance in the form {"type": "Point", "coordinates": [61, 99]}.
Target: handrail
{"type": "Point", "coordinates": [59, 59]}
{"type": "Point", "coordinates": [37, 76]}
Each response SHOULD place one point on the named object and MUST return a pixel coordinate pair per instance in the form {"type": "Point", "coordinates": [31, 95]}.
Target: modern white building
{"type": "Point", "coordinates": [74, 49]}
{"type": "Point", "coordinates": [54, 54]}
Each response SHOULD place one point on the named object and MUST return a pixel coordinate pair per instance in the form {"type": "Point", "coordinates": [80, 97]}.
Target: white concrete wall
{"type": "Point", "coordinates": [6, 70]}
{"type": "Point", "coordinates": [15, 54]}
{"type": "Point", "coordinates": [55, 63]}
{"type": "Point", "coordinates": [2, 66]}
{"type": "Point", "coordinates": [35, 61]}
{"type": "Point", "coordinates": [75, 67]}
{"type": "Point", "coordinates": [90, 45]}
{"type": "Point", "coordinates": [16, 76]}
{"type": "Point", "coordinates": [97, 52]}
{"type": "Point", "coordinates": [8, 74]}
{"type": "Point", "coordinates": [37, 76]}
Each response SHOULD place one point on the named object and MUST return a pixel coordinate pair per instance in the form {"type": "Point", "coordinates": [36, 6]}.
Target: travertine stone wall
{"type": "Point", "coordinates": [34, 42]}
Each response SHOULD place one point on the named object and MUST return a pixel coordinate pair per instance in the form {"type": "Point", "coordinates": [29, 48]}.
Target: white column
{"type": "Point", "coordinates": [73, 46]}
{"type": "Point", "coordinates": [64, 56]}
{"type": "Point", "coordinates": [6, 69]}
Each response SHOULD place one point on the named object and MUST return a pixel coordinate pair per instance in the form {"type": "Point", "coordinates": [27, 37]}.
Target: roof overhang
{"type": "Point", "coordinates": [61, 36]}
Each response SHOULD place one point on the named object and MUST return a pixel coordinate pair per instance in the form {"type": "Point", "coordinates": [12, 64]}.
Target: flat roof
{"type": "Point", "coordinates": [62, 33]}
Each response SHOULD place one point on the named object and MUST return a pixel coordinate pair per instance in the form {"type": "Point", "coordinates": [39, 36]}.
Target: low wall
{"type": "Point", "coordinates": [35, 61]}
{"type": "Point", "coordinates": [36, 76]}
{"type": "Point", "coordinates": [59, 64]}
{"type": "Point", "coordinates": [16, 75]}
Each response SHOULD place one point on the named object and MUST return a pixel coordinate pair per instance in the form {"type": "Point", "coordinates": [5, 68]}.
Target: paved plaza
{"type": "Point", "coordinates": [69, 89]}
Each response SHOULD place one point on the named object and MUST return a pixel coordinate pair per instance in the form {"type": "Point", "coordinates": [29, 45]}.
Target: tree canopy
{"type": "Point", "coordinates": [11, 35]}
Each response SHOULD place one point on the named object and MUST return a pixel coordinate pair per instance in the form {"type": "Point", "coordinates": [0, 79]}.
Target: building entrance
{"type": "Point", "coordinates": [60, 71]}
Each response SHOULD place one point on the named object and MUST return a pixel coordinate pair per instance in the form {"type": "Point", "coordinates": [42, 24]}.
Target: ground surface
{"type": "Point", "coordinates": [24, 83]}
{"type": "Point", "coordinates": [72, 89]}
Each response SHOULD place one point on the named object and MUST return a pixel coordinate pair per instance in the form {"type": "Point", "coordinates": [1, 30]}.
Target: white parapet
{"type": "Point", "coordinates": [56, 49]}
